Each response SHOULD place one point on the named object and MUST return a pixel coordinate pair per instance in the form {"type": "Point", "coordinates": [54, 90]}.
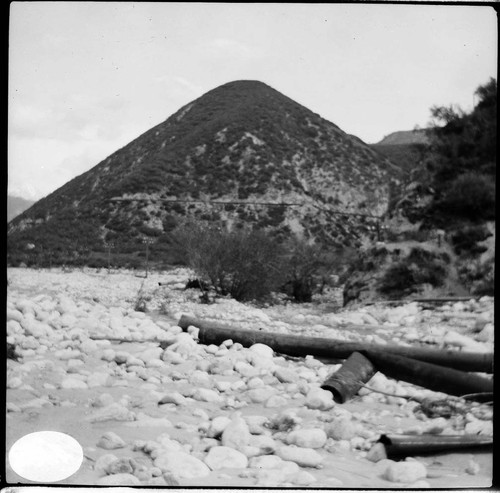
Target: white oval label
{"type": "Point", "coordinates": [46, 456]}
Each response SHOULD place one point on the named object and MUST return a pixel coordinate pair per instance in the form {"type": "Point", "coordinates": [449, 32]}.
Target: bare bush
{"type": "Point", "coordinates": [243, 264]}
{"type": "Point", "coordinates": [308, 268]}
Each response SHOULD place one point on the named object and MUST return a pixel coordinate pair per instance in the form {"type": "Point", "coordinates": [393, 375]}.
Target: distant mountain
{"type": "Point", "coordinates": [405, 137]}
{"type": "Point", "coordinates": [16, 205]}
{"type": "Point", "coordinates": [404, 148]}
{"type": "Point", "coordinates": [220, 158]}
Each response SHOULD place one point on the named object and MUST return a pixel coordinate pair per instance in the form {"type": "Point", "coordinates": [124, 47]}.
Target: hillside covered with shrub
{"type": "Point", "coordinates": [242, 154]}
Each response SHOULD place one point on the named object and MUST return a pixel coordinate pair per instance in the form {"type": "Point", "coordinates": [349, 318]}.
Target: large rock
{"type": "Point", "coordinates": [113, 412]}
{"type": "Point", "coordinates": [121, 466]}
{"type": "Point", "coordinates": [286, 375]}
{"type": "Point", "coordinates": [35, 328]}
{"type": "Point", "coordinates": [318, 398]}
{"type": "Point", "coordinates": [102, 464]}
{"type": "Point", "coordinates": [110, 441]}
{"type": "Point", "coordinates": [341, 428]}
{"type": "Point", "coordinates": [217, 426]}
{"type": "Point", "coordinates": [150, 354]}
{"type": "Point", "coordinates": [172, 357]}
{"type": "Point", "coordinates": [307, 437]}
{"type": "Point", "coordinates": [245, 369]}
{"type": "Point", "coordinates": [487, 334]}
{"type": "Point", "coordinates": [479, 427]}
{"type": "Point", "coordinates": [200, 378]}
{"type": "Point", "coordinates": [102, 400]}
{"type": "Point", "coordinates": [236, 434]}
{"type": "Point", "coordinates": [73, 383]}
{"type": "Point", "coordinates": [277, 476]}
{"type": "Point", "coordinates": [263, 444]}
{"type": "Point", "coordinates": [256, 424]}
{"type": "Point", "coordinates": [207, 395]}
{"type": "Point", "coordinates": [173, 398]}
{"type": "Point", "coordinates": [225, 457]}
{"type": "Point", "coordinates": [302, 479]}
{"type": "Point", "coordinates": [181, 465]}
{"type": "Point", "coordinates": [304, 457]}
{"type": "Point", "coordinates": [266, 462]}
{"type": "Point", "coordinates": [276, 401]}
{"type": "Point", "coordinates": [405, 472]}
{"type": "Point", "coordinates": [13, 314]}
{"type": "Point", "coordinates": [260, 394]}
{"type": "Point", "coordinates": [184, 345]}
{"type": "Point", "coordinates": [453, 338]}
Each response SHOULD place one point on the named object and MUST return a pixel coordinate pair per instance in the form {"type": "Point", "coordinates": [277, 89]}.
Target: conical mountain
{"type": "Point", "coordinates": [243, 144]}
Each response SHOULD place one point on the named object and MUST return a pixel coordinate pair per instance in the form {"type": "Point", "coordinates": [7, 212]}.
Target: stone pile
{"type": "Point", "coordinates": [226, 414]}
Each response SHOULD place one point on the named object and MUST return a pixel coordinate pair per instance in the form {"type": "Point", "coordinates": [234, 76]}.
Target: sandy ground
{"type": "Point", "coordinates": [54, 317]}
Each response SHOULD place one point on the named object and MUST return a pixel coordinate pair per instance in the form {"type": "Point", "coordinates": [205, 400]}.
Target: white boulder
{"type": "Point", "coordinates": [181, 464]}
{"type": "Point", "coordinates": [225, 457]}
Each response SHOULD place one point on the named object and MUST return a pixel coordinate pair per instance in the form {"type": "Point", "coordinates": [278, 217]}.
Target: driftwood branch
{"type": "Point", "coordinates": [214, 333]}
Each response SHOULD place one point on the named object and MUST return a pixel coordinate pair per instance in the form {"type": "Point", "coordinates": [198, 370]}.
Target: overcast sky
{"type": "Point", "coordinates": [86, 78]}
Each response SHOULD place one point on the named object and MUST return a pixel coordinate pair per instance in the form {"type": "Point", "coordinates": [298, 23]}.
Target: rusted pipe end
{"type": "Point", "coordinates": [340, 395]}
{"type": "Point", "coordinates": [345, 383]}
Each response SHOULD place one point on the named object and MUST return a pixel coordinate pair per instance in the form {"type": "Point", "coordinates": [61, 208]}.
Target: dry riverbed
{"type": "Point", "coordinates": [195, 415]}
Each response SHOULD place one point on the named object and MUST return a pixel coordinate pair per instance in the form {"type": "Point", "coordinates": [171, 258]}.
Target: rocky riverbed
{"type": "Point", "coordinates": [91, 366]}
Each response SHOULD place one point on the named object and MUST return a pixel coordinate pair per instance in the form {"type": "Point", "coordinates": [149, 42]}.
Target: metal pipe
{"type": "Point", "coordinates": [214, 333]}
{"type": "Point", "coordinates": [345, 382]}
{"type": "Point", "coordinates": [399, 446]}
{"type": "Point", "coordinates": [428, 375]}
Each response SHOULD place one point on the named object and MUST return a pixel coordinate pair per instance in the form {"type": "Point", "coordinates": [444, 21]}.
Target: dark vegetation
{"type": "Point", "coordinates": [466, 240]}
{"type": "Point", "coordinates": [407, 156]}
{"type": "Point", "coordinates": [479, 277]}
{"type": "Point", "coordinates": [450, 187]}
{"type": "Point", "coordinates": [250, 264]}
{"type": "Point", "coordinates": [308, 269]}
{"type": "Point", "coordinates": [462, 160]}
{"type": "Point", "coordinates": [419, 267]}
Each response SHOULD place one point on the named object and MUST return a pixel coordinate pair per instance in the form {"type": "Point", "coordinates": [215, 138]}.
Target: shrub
{"type": "Point", "coordinates": [479, 276]}
{"type": "Point", "coordinates": [419, 267]}
{"type": "Point", "coordinates": [470, 196]}
{"type": "Point", "coordinates": [466, 239]}
{"type": "Point", "coordinates": [243, 264]}
{"type": "Point", "coordinates": [149, 231]}
{"type": "Point", "coordinates": [307, 267]}
{"type": "Point", "coordinates": [398, 278]}
{"type": "Point", "coordinates": [485, 284]}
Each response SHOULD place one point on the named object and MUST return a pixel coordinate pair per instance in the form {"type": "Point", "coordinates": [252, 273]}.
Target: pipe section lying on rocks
{"type": "Point", "coordinates": [213, 333]}
{"type": "Point", "coordinates": [345, 382]}
{"type": "Point", "coordinates": [400, 446]}
{"type": "Point", "coordinates": [428, 375]}
{"type": "Point", "coordinates": [449, 299]}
